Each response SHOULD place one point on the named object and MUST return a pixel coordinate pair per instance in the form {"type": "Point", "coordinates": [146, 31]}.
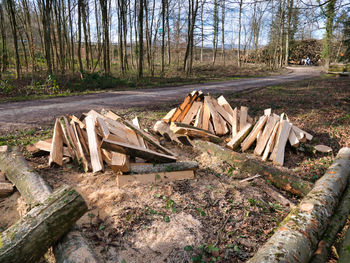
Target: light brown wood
{"type": "Point", "coordinates": [299, 134]}
{"type": "Point", "coordinates": [45, 146]}
{"type": "Point", "coordinates": [205, 116]}
{"type": "Point", "coordinates": [263, 139]}
{"type": "Point", "coordinates": [81, 155]}
{"type": "Point", "coordinates": [308, 136]}
{"type": "Point", "coordinates": [142, 143]}
{"type": "Point", "coordinates": [83, 140]}
{"type": "Point", "coordinates": [218, 123]}
{"type": "Point", "coordinates": [160, 177]}
{"type": "Point", "coordinates": [281, 143]}
{"type": "Point", "coordinates": [168, 116]}
{"type": "Point", "coordinates": [270, 142]}
{"type": "Point", "coordinates": [95, 151]}
{"type": "Point", "coordinates": [3, 148]}
{"type": "Point", "coordinates": [267, 112]}
{"type": "Point", "coordinates": [188, 106]}
{"type": "Point", "coordinates": [227, 116]}
{"type": "Point", "coordinates": [111, 115]}
{"type": "Point", "coordinates": [239, 137]}
{"type": "Point", "coordinates": [56, 150]}
{"type": "Point", "coordinates": [293, 140]}
{"type": "Point", "coordinates": [149, 138]}
{"type": "Point", "coordinates": [136, 151]}
{"type": "Point", "coordinates": [182, 106]}
{"type": "Point", "coordinates": [6, 189]}
{"type": "Point", "coordinates": [323, 148]}
{"type": "Point", "coordinates": [66, 141]}
{"type": "Point", "coordinates": [223, 102]}
{"type": "Point", "coordinates": [192, 112]}
{"type": "Point", "coordinates": [235, 125]}
{"type": "Point", "coordinates": [253, 134]}
{"type": "Point", "coordinates": [120, 162]}
{"type": "Point", "coordinates": [195, 133]}
{"type": "Point", "coordinates": [243, 117]}
{"type": "Point", "coordinates": [199, 117]}
{"type": "Point", "coordinates": [76, 120]}
{"type": "Point", "coordinates": [102, 127]}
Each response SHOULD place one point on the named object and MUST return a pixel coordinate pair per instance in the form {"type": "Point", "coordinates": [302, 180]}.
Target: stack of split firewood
{"type": "Point", "coordinates": [200, 116]}
{"type": "Point", "coordinates": [271, 133]}
{"type": "Point", "coordinates": [96, 139]}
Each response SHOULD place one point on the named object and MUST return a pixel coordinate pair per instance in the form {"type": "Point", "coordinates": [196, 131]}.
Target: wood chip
{"type": "Point", "coordinates": [323, 148]}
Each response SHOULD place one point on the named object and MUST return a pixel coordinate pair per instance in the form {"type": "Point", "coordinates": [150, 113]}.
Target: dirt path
{"type": "Point", "coordinates": [16, 115]}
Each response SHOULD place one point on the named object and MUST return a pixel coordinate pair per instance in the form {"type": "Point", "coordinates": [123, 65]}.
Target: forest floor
{"type": "Point", "coordinates": [213, 218]}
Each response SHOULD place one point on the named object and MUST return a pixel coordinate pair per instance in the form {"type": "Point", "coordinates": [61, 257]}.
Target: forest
{"type": "Point", "coordinates": [44, 39]}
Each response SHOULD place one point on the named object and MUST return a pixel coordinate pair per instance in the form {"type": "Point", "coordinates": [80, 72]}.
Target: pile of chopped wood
{"type": "Point", "coordinates": [96, 139]}
{"type": "Point", "coordinates": [205, 112]}
{"type": "Point", "coordinates": [206, 118]}
{"type": "Point", "coordinates": [271, 133]}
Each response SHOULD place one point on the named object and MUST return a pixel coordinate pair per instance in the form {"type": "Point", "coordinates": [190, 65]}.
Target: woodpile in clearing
{"type": "Point", "coordinates": [207, 118]}
{"type": "Point", "coordinates": [98, 139]}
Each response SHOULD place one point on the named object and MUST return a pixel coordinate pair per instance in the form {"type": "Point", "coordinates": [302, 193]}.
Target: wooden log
{"type": "Point", "coordinates": [218, 123]}
{"type": "Point", "coordinates": [102, 127]}
{"type": "Point", "coordinates": [163, 129]}
{"type": "Point", "coordinates": [29, 238]}
{"type": "Point", "coordinates": [195, 133]}
{"type": "Point", "coordinates": [95, 151]}
{"type": "Point", "coordinates": [308, 136]}
{"type": "Point", "coordinates": [239, 137]}
{"type": "Point", "coordinates": [254, 133]}
{"type": "Point", "coordinates": [35, 190]}
{"type": "Point", "coordinates": [136, 151]}
{"type": "Point", "coordinates": [120, 162]}
{"type": "Point", "coordinates": [278, 152]}
{"type": "Point", "coordinates": [182, 107]}
{"type": "Point", "coordinates": [192, 112]}
{"type": "Point", "coordinates": [223, 102]}
{"type": "Point", "coordinates": [270, 142]}
{"type": "Point", "coordinates": [344, 253]}
{"type": "Point", "coordinates": [199, 117]}
{"type": "Point", "coordinates": [235, 125]}
{"type": "Point", "coordinates": [293, 140]}
{"type": "Point", "coordinates": [135, 122]}
{"type": "Point", "coordinates": [6, 189]}
{"type": "Point", "coordinates": [150, 139]}
{"type": "Point", "coordinates": [205, 116]}
{"type": "Point", "coordinates": [263, 140]}
{"type": "Point", "coordinates": [159, 177]}
{"type": "Point", "coordinates": [56, 150]}
{"type": "Point", "coordinates": [243, 117]}
{"type": "Point", "coordinates": [221, 110]}
{"type": "Point", "coordinates": [297, 236]}
{"type": "Point", "coordinates": [164, 167]}
{"type": "Point", "coordinates": [279, 178]}
{"type": "Point", "coordinates": [80, 152]}
{"type": "Point", "coordinates": [336, 224]}
{"type": "Point", "coordinates": [41, 148]}
{"type": "Point", "coordinates": [188, 106]}
{"type": "Point", "coordinates": [168, 116]}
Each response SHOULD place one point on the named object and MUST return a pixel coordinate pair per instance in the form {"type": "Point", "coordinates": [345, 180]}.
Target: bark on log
{"type": "Point", "coordinates": [344, 253]}
{"type": "Point", "coordinates": [35, 190]}
{"type": "Point", "coordinates": [278, 177]}
{"type": "Point", "coordinates": [164, 167]}
{"type": "Point", "coordinates": [29, 238]}
{"type": "Point", "coordinates": [297, 237]}
{"type": "Point", "coordinates": [6, 189]}
{"type": "Point", "coordinates": [336, 224]}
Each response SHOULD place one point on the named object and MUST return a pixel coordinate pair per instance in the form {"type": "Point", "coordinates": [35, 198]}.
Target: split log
{"type": "Point", "coordinates": [192, 112]}
{"type": "Point", "coordinates": [243, 117]}
{"type": "Point", "coordinates": [298, 235]}
{"type": "Point", "coordinates": [136, 151]}
{"type": "Point", "coordinates": [252, 136]}
{"type": "Point", "coordinates": [336, 224]}
{"type": "Point", "coordinates": [35, 190]}
{"type": "Point", "coordinates": [163, 129]}
{"type": "Point", "coordinates": [95, 151]}
{"type": "Point", "coordinates": [56, 150]}
{"type": "Point", "coordinates": [239, 137]}
{"type": "Point", "coordinates": [271, 142]}
{"type": "Point", "coordinates": [6, 189]}
{"type": "Point", "coordinates": [223, 102]}
{"type": "Point", "coordinates": [29, 238]}
{"type": "Point", "coordinates": [278, 153]}
{"type": "Point", "coordinates": [168, 116]}
{"type": "Point", "coordinates": [164, 167]}
{"type": "Point", "coordinates": [279, 178]}
{"type": "Point", "coordinates": [266, 134]}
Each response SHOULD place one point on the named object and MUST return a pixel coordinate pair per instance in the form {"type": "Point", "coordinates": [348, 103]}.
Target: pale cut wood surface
{"type": "Point", "coordinates": [95, 151]}
{"type": "Point", "coordinates": [56, 150]}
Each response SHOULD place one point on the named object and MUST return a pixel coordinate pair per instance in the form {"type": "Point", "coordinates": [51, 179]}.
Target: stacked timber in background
{"type": "Point", "coordinates": [99, 139]}
{"type": "Point", "coordinates": [203, 117]}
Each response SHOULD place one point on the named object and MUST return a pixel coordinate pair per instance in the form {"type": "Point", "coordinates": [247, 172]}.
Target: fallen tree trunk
{"type": "Point", "coordinates": [344, 252]}
{"type": "Point", "coordinates": [29, 238]}
{"type": "Point", "coordinates": [336, 224]}
{"type": "Point", "coordinates": [35, 190]}
{"type": "Point", "coordinates": [278, 177]}
{"type": "Point", "coordinates": [164, 167]}
{"type": "Point", "coordinates": [297, 236]}
{"type": "Point", "coordinates": [5, 189]}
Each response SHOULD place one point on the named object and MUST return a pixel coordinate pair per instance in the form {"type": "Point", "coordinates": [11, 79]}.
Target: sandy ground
{"type": "Point", "coordinates": [26, 114]}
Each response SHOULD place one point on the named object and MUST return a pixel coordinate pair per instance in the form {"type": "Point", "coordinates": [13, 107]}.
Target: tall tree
{"type": "Point", "coordinates": [11, 11]}
{"type": "Point", "coordinates": [239, 33]}
{"type": "Point", "coordinates": [215, 30]}
{"type": "Point", "coordinates": [140, 73]}
{"type": "Point", "coordinates": [4, 60]}
{"type": "Point", "coordinates": [329, 14]}
{"type": "Point", "coordinates": [223, 31]}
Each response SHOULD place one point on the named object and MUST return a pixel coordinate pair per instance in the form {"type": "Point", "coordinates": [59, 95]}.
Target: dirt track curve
{"type": "Point", "coordinates": [24, 114]}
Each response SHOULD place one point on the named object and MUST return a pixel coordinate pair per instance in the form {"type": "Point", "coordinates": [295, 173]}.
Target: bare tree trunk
{"type": "Point", "coordinates": [141, 39]}
{"type": "Point", "coordinates": [163, 36]}
{"type": "Point", "coordinates": [11, 11]}
{"type": "Point", "coordinates": [71, 34]}
{"type": "Point", "coordinates": [223, 31]}
{"type": "Point", "coordinates": [202, 29]}
{"type": "Point", "coordinates": [168, 30]}
{"type": "Point", "coordinates": [84, 5]}
{"type": "Point", "coordinates": [239, 33]}
{"type": "Point", "coordinates": [215, 30]}
{"type": "Point", "coordinates": [4, 60]}
{"type": "Point", "coordinates": [290, 4]}
{"type": "Point", "coordinates": [105, 27]}
{"type": "Point", "coordinates": [81, 67]}
{"type": "Point", "coordinates": [330, 13]}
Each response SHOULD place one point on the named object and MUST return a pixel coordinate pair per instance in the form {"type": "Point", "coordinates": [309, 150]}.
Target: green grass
{"type": "Point", "coordinates": [25, 137]}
